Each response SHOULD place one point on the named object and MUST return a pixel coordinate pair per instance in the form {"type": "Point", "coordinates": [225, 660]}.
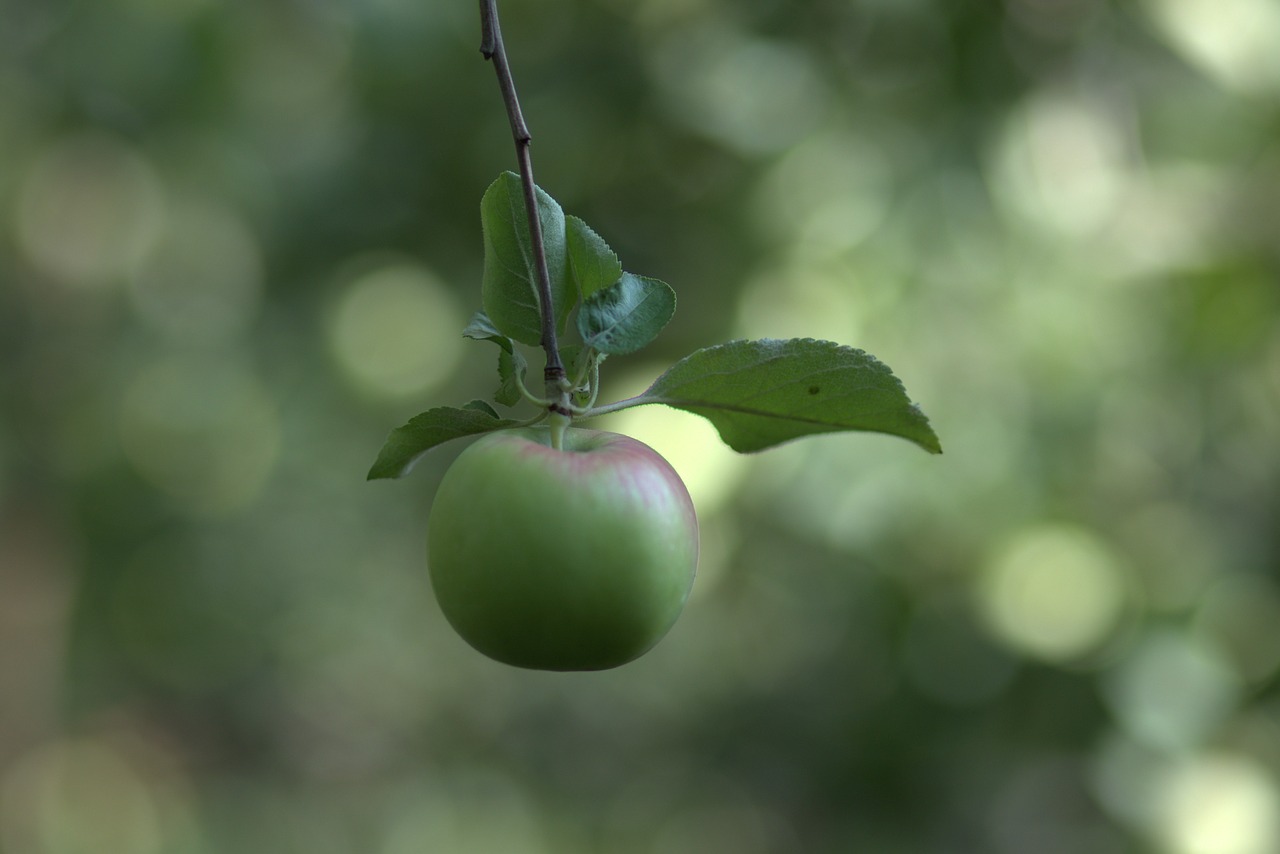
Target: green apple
{"type": "Point", "coordinates": [573, 559]}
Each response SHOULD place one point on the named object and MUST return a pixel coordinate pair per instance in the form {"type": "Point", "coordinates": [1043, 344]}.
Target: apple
{"type": "Point", "coordinates": [573, 559]}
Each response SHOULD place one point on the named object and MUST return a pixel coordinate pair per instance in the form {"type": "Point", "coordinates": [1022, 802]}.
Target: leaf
{"type": "Point", "coordinates": [509, 287]}
{"type": "Point", "coordinates": [481, 406]}
{"type": "Point", "coordinates": [592, 263]}
{"type": "Point", "coordinates": [435, 426]}
{"type": "Point", "coordinates": [627, 315]}
{"type": "Point", "coordinates": [759, 394]}
{"type": "Point", "coordinates": [569, 356]}
{"type": "Point", "coordinates": [481, 328]}
{"type": "Point", "coordinates": [511, 361]}
{"type": "Point", "coordinates": [511, 369]}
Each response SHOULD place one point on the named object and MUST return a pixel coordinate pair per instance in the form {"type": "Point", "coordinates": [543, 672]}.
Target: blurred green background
{"type": "Point", "coordinates": [238, 242]}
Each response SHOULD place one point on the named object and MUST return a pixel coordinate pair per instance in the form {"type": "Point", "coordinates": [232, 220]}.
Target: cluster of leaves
{"type": "Point", "coordinates": [757, 394]}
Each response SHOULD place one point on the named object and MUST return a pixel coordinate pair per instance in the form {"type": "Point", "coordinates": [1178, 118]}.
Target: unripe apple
{"type": "Point", "coordinates": [573, 559]}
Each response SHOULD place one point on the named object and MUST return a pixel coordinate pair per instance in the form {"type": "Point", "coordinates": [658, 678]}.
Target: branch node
{"type": "Point", "coordinates": [488, 41]}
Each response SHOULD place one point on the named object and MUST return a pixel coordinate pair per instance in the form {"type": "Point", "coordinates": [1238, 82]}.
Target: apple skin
{"type": "Point", "coordinates": [577, 559]}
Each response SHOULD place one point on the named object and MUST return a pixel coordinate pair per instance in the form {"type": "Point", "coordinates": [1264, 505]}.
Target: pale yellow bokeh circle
{"type": "Point", "coordinates": [1219, 803]}
{"type": "Point", "coordinates": [1235, 42]}
{"type": "Point", "coordinates": [395, 330]}
{"type": "Point", "coordinates": [1060, 164]}
{"type": "Point", "coordinates": [88, 210]}
{"type": "Point", "coordinates": [1053, 592]}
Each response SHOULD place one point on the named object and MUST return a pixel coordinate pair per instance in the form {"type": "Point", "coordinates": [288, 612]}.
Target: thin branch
{"type": "Point", "coordinates": [492, 48]}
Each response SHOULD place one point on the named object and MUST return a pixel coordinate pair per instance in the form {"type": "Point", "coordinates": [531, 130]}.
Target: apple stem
{"type": "Point", "coordinates": [558, 423]}
{"type": "Point", "coordinates": [492, 48]}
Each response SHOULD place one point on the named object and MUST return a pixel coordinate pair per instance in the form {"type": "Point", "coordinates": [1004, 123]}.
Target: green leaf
{"type": "Point", "coordinates": [627, 315]}
{"type": "Point", "coordinates": [511, 362]}
{"type": "Point", "coordinates": [569, 356]}
{"type": "Point", "coordinates": [759, 394]}
{"type": "Point", "coordinates": [509, 288]}
{"type": "Point", "coordinates": [481, 328]}
{"type": "Point", "coordinates": [481, 406]}
{"type": "Point", "coordinates": [591, 262]}
{"type": "Point", "coordinates": [435, 426]}
{"type": "Point", "coordinates": [511, 369]}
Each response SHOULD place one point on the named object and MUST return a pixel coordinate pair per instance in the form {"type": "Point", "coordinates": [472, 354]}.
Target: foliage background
{"type": "Point", "coordinates": [238, 242]}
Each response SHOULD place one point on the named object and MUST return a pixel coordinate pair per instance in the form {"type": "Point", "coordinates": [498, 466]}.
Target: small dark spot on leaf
{"type": "Point", "coordinates": [813, 389]}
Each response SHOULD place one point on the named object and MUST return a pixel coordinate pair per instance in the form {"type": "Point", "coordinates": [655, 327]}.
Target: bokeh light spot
{"type": "Point", "coordinates": [1125, 775]}
{"type": "Point", "coordinates": [204, 431]}
{"type": "Point", "coordinates": [828, 193]}
{"type": "Point", "coordinates": [89, 208]}
{"type": "Point", "coordinates": [76, 797]}
{"type": "Point", "coordinates": [1053, 592]}
{"type": "Point", "coordinates": [751, 95]}
{"type": "Point", "coordinates": [799, 301]}
{"type": "Point", "coordinates": [1171, 691]}
{"type": "Point", "coordinates": [1236, 42]}
{"type": "Point", "coordinates": [1219, 803]}
{"type": "Point", "coordinates": [396, 331]}
{"type": "Point", "coordinates": [476, 810]}
{"type": "Point", "coordinates": [1060, 164]}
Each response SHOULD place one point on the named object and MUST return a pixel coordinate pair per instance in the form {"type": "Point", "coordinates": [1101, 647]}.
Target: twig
{"type": "Point", "coordinates": [492, 48]}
